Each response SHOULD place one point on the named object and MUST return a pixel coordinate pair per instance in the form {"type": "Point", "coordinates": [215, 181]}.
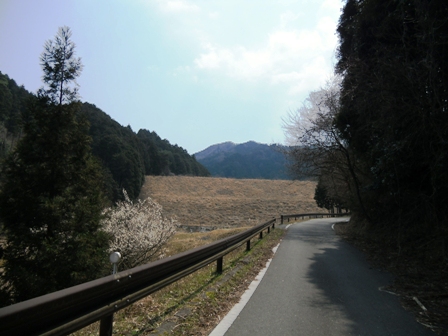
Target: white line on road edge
{"type": "Point", "coordinates": [231, 316]}
{"type": "Point", "coordinates": [332, 227]}
{"type": "Point", "coordinates": [287, 226]}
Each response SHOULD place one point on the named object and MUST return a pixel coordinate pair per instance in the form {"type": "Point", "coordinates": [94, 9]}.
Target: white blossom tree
{"type": "Point", "coordinates": [310, 132]}
{"type": "Point", "coordinates": [138, 230]}
{"type": "Point", "coordinates": [312, 122]}
{"type": "Point", "coordinates": [317, 148]}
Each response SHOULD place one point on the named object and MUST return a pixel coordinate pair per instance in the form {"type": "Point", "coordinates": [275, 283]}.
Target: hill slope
{"type": "Point", "coordinates": [126, 156]}
{"type": "Point", "coordinates": [226, 202]}
{"type": "Point", "coordinates": [247, 160]}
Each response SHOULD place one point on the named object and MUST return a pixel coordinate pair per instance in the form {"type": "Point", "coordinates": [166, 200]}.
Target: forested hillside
{"type": "Point", "coordinates": [126, 156]}
{"type": "Point", "coordinates": [393, 118]}
{"type": "Point", "coordinates": [247, 160]}
{"type": "Point", "coordinates": [377, 137]}
{"type": "Point", "coordinates": [166, 159]}
{"type": "Point", "coordinates": [12, 106]}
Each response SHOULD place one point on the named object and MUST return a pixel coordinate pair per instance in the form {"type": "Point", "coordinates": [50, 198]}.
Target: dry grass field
{"type": "Point", "coordinates": [228, 203]}
{"type": "Point", "coordinates": [196, 303]}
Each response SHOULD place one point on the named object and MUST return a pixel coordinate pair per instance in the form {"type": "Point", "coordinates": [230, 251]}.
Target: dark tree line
{"type": "Point", "coordinates": [126, 156]}
{"type": "Point", "coordinates": [162, 158]}
{"type": "Point", "coordinates": [12, 105]}
{"type": "Point", "coordinates": [394, 114]}
{"type": "Point", "coordinates": [391, 122]}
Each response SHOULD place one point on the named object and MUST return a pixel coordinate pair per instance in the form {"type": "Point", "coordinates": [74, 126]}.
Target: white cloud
{"type": "Point", "coordinates": [327, 29]}
{"type": "Point", "coordinates": [313, 74]}
{"type": "Point", "coordinates": [332, 5]}
{"type": "Point", "coordinates": [214, 58]}
{"type": "Point", "coordinates": [213, 15]}
{"type": "Point", "coordinates": [297, 54]}
{"type": "Point", "coordinates": [177, 6]}
{"type": "Point", "coordinates": [287, 18]}
{"type": "Point", "coordinates": [292, 57]}
{"type": "Point", "coordinates": [287, 2]}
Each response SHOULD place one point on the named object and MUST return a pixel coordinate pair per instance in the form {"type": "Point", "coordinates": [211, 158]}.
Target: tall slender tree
{"type": "Point", "coordinates": [61, 68]}
{"type": "Point", "coordinates": [50, 197]}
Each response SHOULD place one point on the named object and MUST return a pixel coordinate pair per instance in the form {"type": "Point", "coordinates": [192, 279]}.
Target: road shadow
{"type": "Point", "coordinates": [347, 284]}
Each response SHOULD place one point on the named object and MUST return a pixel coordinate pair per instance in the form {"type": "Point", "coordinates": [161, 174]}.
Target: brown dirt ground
{"type": "Point", "coordinates": [225, 202]}
{"type": "Point", "coordinates": [422, 287]}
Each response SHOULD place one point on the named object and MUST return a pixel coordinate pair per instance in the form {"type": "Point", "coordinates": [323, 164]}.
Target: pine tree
{"type": "Point", "coordinates": [50, 198]}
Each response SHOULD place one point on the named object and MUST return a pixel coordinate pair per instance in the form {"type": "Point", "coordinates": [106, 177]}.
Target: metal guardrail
{"type": "Point", "coordinates": [71, 309]}
{"type": "Point", "coordinates": [312, 215]}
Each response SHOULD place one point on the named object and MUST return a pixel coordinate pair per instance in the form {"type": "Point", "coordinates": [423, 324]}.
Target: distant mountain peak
{"type": "Point", "coordinates": [247, 160]}
{"type": "Point", "coordinates": [215, 149]}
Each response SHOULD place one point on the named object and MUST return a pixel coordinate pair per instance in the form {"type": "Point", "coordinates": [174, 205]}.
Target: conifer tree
{"type": "Point", "coordinates": [50, 197]}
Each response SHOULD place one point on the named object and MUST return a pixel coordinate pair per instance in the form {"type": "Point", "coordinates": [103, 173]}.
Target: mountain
{"type": "Point", "coordinates": [247, 160]}
{"type": "Point", "coordinates": [126, 156]}
{"type": "Point", "coordinates": [215, 150]}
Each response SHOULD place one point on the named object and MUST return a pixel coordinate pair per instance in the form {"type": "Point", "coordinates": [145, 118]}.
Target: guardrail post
{"type": "Point", "coordinates": [106, 325]}
{"type": "Point", "coordinates": [219, 265]}
{"type": "Point", "coordinates": [248, 245]}
{"type": "Point", "coordinates": [269, 229]}
{"type": "Point", "coordinates": [261, 234]}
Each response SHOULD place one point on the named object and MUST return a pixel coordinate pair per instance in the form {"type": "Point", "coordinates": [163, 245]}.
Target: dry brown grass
{"type": "Point", "coordinates": [225, 202]}
{"type": "Point", "coordinates": [183, 241]}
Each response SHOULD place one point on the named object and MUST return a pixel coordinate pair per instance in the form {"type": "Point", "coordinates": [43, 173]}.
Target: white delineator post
{"type": "Point", "coordinates": [114, 258]}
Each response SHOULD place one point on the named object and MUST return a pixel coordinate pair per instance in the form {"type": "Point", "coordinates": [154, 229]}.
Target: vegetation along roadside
{"type": "Point", "coordinates": [195, 304]}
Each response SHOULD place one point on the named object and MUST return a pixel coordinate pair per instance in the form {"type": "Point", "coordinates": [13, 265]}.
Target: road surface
{"type": "Point", "coordinates": [317, 284]}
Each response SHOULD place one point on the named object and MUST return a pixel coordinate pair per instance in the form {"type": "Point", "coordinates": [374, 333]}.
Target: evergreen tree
{"type": "Point", "coordinates": [61, 68]}
{"type": "Point", "coordinates": [50, 197]}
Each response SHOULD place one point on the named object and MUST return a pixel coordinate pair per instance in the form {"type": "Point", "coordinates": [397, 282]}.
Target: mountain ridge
{"type": "Point", "coordinates": [246, 160]}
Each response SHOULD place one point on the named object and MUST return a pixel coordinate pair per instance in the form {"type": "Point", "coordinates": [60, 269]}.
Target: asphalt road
{"type": "Point", "coordinates": [319, 285]}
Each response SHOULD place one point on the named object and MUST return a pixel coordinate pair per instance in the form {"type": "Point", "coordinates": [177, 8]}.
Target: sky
{"type": "Point", "coordinates": [197, 72]}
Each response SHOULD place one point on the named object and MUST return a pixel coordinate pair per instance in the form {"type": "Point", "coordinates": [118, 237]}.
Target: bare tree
{"type": "Point", "coordinates": [317, 148]}
{"type": "Point", "coordinates": [311, 134]}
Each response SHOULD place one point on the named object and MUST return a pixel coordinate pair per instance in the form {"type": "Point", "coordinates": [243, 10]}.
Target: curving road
{"type": "Point", "coordinates": [317, 284]}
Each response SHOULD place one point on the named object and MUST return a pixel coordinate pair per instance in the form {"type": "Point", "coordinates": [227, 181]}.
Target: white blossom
{"type": "Point", "coordinates": [305, 123]}
{"type": "Point", "coordinates": [138, 230]}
